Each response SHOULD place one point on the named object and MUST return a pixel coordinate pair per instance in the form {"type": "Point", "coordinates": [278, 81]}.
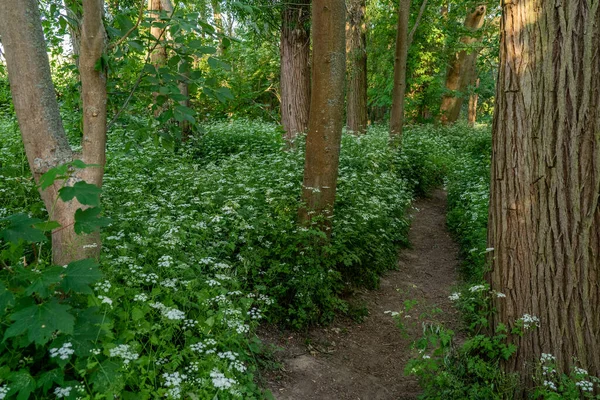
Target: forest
{"type": "Point", "coordinates": [299, 200]}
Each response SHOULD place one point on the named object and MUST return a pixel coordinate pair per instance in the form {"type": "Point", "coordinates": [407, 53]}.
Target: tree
{"type": "Point", "coordinates": [356, 52]}
{"type": "Point", "coordinates": [544, 204]}
{"type": "Point", "coordinates": [39, 119]}
{"type": "Point", "coordinates": [295, 68]}
{"type": "Point", "coordinates": [461, 69]}
{"type": "Point", "coordinates": [397, 112]}
{"type": "Point", "coordinates": [327, 105]}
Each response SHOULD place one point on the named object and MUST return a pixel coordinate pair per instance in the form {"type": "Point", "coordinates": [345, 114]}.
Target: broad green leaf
{"type": "Point", "coordinates": [22, 382]}
{"type": "Point", "coordinates": [40, 321]}
{"type": "Point", "coordinates": [49, 177]}
{"type": "Point", "coordinates": [79, 275]}
{"type": "Point", "coordinates": [218, 64]}
{"type": "Point", "coordinates": [89, 220]}
{"type": "Point", "coordinates": [47, 226]}
{"type": "Point", "coordinates": [86, 193]}
{"type": "Point", "coordinates": [42, 281]}
{"type": "Point", "coordinates": [7, 299]}
{"type": "Point", "coordinates": [21, 228]}
{"type": "Point", "coordinates": [48, 379]}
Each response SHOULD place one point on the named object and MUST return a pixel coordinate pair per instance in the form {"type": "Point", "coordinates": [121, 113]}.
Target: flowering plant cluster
{"type": "Point", "coordinates": [203, 245]}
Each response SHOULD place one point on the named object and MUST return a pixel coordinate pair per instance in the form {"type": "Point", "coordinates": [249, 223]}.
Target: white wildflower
{"type": "Point", "coordinates": [62, 392]}
{"type": "Point", "coordinates": [3, 391]}
{"type": "Point", "coordinates": [219, 380]}
{"type": "Point", "coordinates": [64, 352]}
{"type": "Point", "coordinates": [124, 351]}
{"type": "Point", "coordinates": [454, 296]}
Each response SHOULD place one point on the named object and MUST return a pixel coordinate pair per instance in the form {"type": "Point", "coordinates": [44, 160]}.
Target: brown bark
{"type": "Point", "coordinates": [327, 102]}
{"type": "Point", "coordinates": [356, 53]}
{"type": "Point", "coordinates": [473, 100]}
{"type": "Point", "coordinates": [159, 56]}
{"type": "Point", "coordinates": [544, 210]}
{"type": "Point", "coordinates": [38, 114]}
{"type": "Point", "coordinates": [460, 69]}
{"type": "Point", "coordinates": [401, 55]}
{"type": "Point", "coordinates": [295, 69]}
{"type": "Point", "coordinates": [218, 19]}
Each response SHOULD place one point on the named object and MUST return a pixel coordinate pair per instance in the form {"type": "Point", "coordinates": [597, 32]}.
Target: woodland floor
{"type": "Point", "coordinates": [366, 360]}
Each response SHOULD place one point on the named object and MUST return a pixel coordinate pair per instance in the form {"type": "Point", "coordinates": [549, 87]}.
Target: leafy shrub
{"type": "Point", "coordinates": [203, 244]}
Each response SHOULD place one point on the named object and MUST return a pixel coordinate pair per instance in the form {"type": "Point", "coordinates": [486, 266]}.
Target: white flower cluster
{"type": "Point", "coordinates": [255, 313]}
{"type": "Point", "coordinates": [586, 386]}
{"type": "Point", "coordinates": [580, 371]}
{"type": "Point", "coordinates": [62, 392]}
{"type": "Point", "coordinates": [529, 321]}
{"type": "Point", "coordinates": [3, 391]}
{"type": "Point", "coordinates": [206, 347]}
{"type": "Point", "coordinates": [220, 381]}
{"type": "Point", "coordinates": [477, 288]}
{"type": "Point", "coordinates": [124, 351]}
{"type": "Point", "coordinates": [454, 296]}
{"type": "Point", "coordinates": [149, 278]}
{"type": "Point", "coordinates": [168, 312]}
{"type": "Point", "coordinates": [550, 385]}
{"type": "Point", "coordinates": [103, 286]}
{"type": "Point", "coordinates": [193, 367]}
{"type": "Point", "coordinates": [106, 300]}
{"type": "Point", "coordinates": [140, 297]}
{"type": "Point", "coordinates": [165, 261]}
{"type": "Point", "coordinates": [227, 355]}
{"type": "Point", "coordinates": [64, 352]}
{"type": "Point", "coordinates": [547, 357]}
{"type": "Point", "coordinates": [173, 383]}
{"type": "Point", "coordinates": [500, 295]}
{"type": "Point", "coordinates": [189, 323]}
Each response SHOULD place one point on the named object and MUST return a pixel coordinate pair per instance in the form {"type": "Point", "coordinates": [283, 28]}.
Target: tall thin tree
{"type": "Point", "coordinates": [461, 69]}
{"type": "Point", "coordinates": [36, 107]}
{"type": "Point", "coordinates": [295, 67]}
{"type": "Point", "coordinates": [327, 105]}
{"type": "Point", "coordinates": [544, 203]}
{"type": "Point", "coordinates": [401, 55]}
{"type": "Point", "coordinates": [356, 53]}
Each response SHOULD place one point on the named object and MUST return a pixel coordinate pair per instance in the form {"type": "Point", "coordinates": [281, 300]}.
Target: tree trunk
{"type": "Point", "coordinates": [218, 18]}
{"type": "Point", "coordinates": [158, 58]}
{"type": "Point", "coordinates": [473, 99]}
{"type": "Point", "coordinates": [356, 52]}
{"type": "Point", "coordinates": [39, 118]}
{"type": "Point", "coordinates": [73, 11]}
{"type": "Point", "coordinates": [460, 70]}
{"type": "Point", "coordinates": [544, 210]}
{"type": "Point", "coordinates": [295, 69]}
{"type": "Point", "coordinates": [397, 112]}
{"type": "Point", "coordinates": [327, 102]}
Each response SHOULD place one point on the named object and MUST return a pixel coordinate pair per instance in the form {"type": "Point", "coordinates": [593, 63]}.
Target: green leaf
{"type": "Point", "coordinates": [7, 299]}
{"type": "Point", "coordinates": [54, 173]}
{"type": "Point", "coordinates": [79, 275]}
{"type": "Point", "coordinates": [43, 281]}
{"type": "Point", "coordinates": [218, 64]}
{"type": "Point", "coordinates": [47, 226]}
{"type": "Point", "coordinates": [40, 321]}
{"type": "Point", "coordinates": [89, 220]}
{"type": "Point", "coordinates": [49, 378]}
{"type": "Point", "coordinates": [21, 228]}
{"type": "Point", "coordinates": [86, 193]}
{"type": "Point", "coordinates": [23, 383]}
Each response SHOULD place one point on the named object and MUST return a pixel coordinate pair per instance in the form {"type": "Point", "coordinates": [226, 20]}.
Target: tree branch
{"type": "Point", "coordinates": [134, 27]}
{"type": "Point", "coordinates": [411, 35]}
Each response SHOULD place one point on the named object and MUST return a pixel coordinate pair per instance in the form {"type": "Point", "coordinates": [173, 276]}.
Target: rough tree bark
{"type": "Point", "coordinates": [326, 118]}
{"type": "Point", "coordinates": [295, 68]}
{"type": "Point", "coordinates": [158, 58]}
{"type": "Point", "coordinates": [473, 100]}
{"type": "Point", "coordinates": [460, 69]}
{"type": "Point", "coordinates": [39, 119]}
{"type": "Point", "coordinates": [397, 112]}
{"type": "Point", "coordinates": [356, 53]}
{"type": "Point", "coordinates": [544, 209]}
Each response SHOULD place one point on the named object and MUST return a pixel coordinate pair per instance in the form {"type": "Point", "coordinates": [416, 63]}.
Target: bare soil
{"type": "Point", "coordinates": [366, 360]}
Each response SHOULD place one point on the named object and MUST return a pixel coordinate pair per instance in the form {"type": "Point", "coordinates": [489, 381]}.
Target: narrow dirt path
{"type": "Point", "coordinates": [366, 360]}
